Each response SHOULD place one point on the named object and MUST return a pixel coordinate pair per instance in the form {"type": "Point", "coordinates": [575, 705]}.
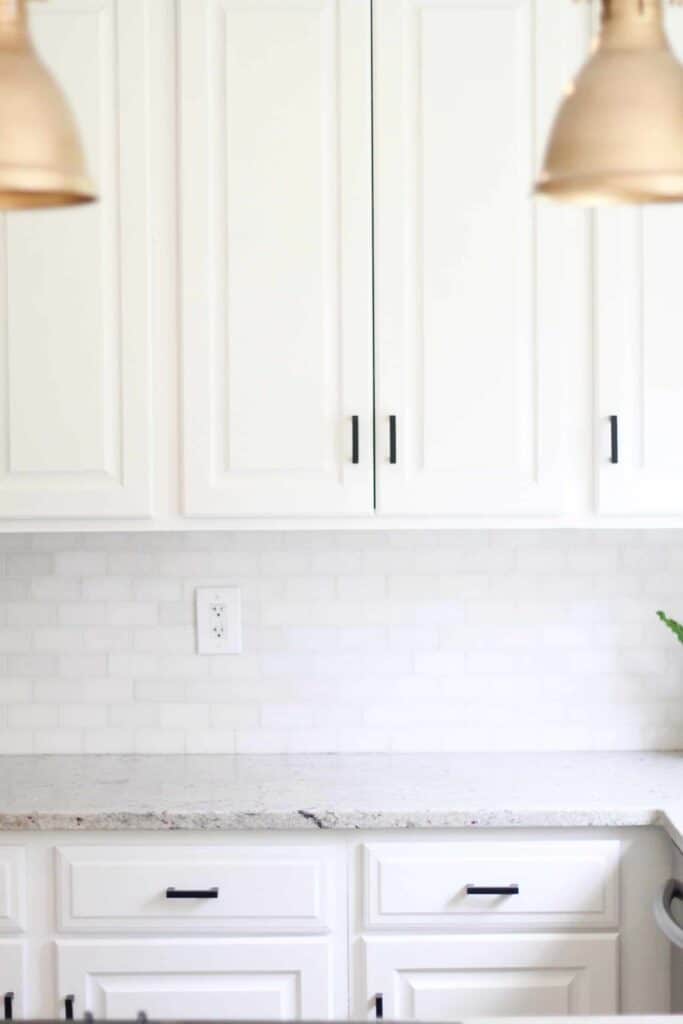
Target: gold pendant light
{"type": "Point", "coordinates": [41, 159]}
{"type": "Point", "coordinates": [618, 135]}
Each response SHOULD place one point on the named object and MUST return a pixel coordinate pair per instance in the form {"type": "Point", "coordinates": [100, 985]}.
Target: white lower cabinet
{"type": "Point", "coordinates": [443, 925]}
{"type": "Point", "coordinates": [12, 977]}
{"type": "Point", "coordinates": [217, 979]}
{"type": "Point", "coordinates": [451, 977]}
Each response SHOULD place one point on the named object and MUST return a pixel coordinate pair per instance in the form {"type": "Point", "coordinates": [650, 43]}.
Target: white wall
{"type": "Point", "coordinates": [352, 641]}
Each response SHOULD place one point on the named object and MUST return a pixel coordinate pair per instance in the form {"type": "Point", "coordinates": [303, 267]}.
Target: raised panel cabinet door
{"type": "Point", "coordinates": [246, 979]}
{"type": "Point", "coordinates": [477, 286]}
{"type": "Point", "coordinates": [276, 257]}
{"type": "Point", "coordinates": [76, 322]}
{"type": "Point", "coordinates": [639, 326]}
{"type": "Point", "coordinates": [451, 978]}
{"type": "Point", "coordinates": [13, 991]}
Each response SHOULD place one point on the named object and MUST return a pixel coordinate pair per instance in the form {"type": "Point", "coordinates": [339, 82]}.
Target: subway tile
{"type": "Point", "coordinates": [353, 641]}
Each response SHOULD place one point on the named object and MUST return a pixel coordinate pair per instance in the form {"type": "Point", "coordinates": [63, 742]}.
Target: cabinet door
{"type": "Point", "coordinates": [452, 978]}
{"type": "Point", "coordinates": [477, 286]}
{"type": "Point", "coordinates": [13, 978]}
{"type": "Point", "coordinates": [639, 316]}
{"type": "Point", "coordinates": [75, 329]}
{"type": "Point", "coordinates": [276, 234]}
{"type": "Point", "coordinates": [219, 980]}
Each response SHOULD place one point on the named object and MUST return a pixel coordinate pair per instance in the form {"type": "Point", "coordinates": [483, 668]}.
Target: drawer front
{"type": "Point", "coordinates": [12, 889]}
{"type": "Point", "coordinates": [259, 889]}
{"type": "Point", "coordinates": [425, 885]}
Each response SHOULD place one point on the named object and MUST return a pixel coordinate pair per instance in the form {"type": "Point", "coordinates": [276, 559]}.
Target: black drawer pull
{"type": "Point", "coordinates": [379, 1006]}
{"type": "Point", "coordinates": [393, 457]}
{"type": "Point", "coordinates": [192, 894]}
{"type": "Point", "coordinates": [492, 890]}
{"type": "Point", "coordinates": [355, 441]}
{"type": "Point", "coordinates": [614, 440]}
{"type": "Point", "coordinates": [69, 1007]}
{"type": "Point", "coordinates": [9, 999]}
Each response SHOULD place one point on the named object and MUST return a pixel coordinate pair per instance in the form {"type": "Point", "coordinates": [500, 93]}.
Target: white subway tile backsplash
{"type": "Point", "coordinates": [357, 641]}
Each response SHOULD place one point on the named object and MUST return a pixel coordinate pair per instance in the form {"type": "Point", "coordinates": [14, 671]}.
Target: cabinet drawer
{"type": "Point", "coordinates": [12, 889]}
{"type": "Point", "coordinates": [425, 885]}
{"type": "Point", "coordinates": [259, 889]}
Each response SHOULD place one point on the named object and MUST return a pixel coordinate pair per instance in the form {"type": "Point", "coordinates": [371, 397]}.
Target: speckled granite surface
{"type": "Point", "coordinates": [368, 791]}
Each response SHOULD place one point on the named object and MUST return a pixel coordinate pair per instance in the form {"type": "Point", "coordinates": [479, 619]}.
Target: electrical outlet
{"type": "Point", "coordinates": [219, 620]}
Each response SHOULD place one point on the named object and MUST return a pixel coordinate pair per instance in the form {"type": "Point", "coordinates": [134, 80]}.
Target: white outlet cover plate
{"type": "Point", "coordinates": [219, 620]}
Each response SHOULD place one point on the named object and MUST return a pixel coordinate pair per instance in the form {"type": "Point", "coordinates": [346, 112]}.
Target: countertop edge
{"type": "Point", "coordinates": [320, 819]}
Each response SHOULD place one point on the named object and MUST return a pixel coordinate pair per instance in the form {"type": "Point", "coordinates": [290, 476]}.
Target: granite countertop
{"type": "Point", "coordinates": [340, 791]}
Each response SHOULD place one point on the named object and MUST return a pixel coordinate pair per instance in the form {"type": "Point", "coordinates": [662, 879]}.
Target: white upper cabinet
{"type": "Point", "coordinates": [476, 283]}
{"type": "Point", "coordinates": [639, 341]}
{"type": "Point", "coordinates": [639, 415]}
{"type": "Point", "coordinates": [76, 323]}
{"type": "Point", "coordinates": [317, 289]}
{"type": "Point", "coordinates": [276, 257]}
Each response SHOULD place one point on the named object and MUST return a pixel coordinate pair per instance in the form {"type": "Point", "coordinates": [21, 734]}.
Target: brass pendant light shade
{"type": "Point", "coordinates": [41, 159]}
{"type": "Point", "coordinates": [618, 135]}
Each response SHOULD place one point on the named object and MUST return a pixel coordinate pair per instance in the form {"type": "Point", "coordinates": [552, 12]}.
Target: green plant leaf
{"type": "Point", "coordinates": [675, 627]}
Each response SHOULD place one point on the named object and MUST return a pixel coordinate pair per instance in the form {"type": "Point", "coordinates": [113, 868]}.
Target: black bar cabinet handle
{"type": "Point", "coordinates": [192, 894]}
{"type": "Point", "coordinates": [355, 441]}
{"type": "Point", "coordinates": [69, 1007]}
{"type": "Point", "coordinates": [614, 440]}
{"type": "Point", "coordinates": [379, 1006]}
{"type": "Point", "coordinates": [492, 890]}
{"type": "Point", "coordinates": [392, 440]}
{"type": "Point", "coordinates": [9, 999]}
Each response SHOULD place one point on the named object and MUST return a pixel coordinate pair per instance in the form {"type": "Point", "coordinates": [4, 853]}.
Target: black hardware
{"type": "Point", "coordinates": [614, 439]}
{"type": "Point", "coordinates": [379, 1006]}
{"type": "Point", "coordinates": [192, 894]}
{"type": "Point", "coordinates": [9, 999]}
{"type": "Point", "coordinates": [355, 448]}
{"type": "Point", "coordinates": [492, 890]}
{"type": "Point", "coordinates": [69, 1007]}
{"type": "Point", "coordinates": [392, 440]}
